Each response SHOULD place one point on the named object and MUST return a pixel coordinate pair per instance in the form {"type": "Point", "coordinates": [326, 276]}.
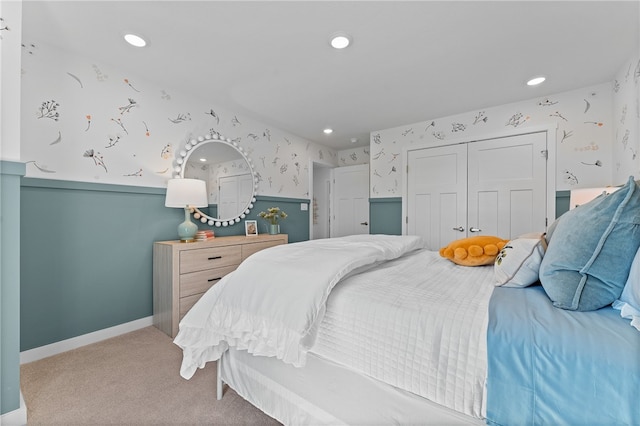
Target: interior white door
{"type": "Point", "coordinates": [245, 190]}
{"type": "Point", "coordinates": [320, 213]}
{"type": "Point", "coordinates": [436, 194]}
{"type": "Point", "coordinates": [227, 196]}
{"type": "Point", "coordinates": [232, 191]}
{"type": "Point", "coordinates": [507, 185]}
{"type": "Point", "coordinates": [350, 200]}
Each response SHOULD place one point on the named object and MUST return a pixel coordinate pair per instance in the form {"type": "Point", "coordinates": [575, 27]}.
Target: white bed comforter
{"type": "Point", "coordinates": [273, 303]}
{"type": "Point", "coordinates": [418, 323]}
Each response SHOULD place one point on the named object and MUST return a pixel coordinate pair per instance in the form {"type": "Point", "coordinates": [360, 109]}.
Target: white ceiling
{"type": "Point", "coordinates": [409, 61]}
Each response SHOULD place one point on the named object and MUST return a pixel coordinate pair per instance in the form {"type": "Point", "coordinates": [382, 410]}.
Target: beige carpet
{"type": "Point", "coordinates": [129, 380]}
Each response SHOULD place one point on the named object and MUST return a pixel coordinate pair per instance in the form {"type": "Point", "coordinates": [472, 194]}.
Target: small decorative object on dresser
{"type": "Point", "coordinates": [204, 235]}
{"type": "Point", "coordinates": [250, 227]}
{"type": "Point", "coordinates": [273, 215]}
{"type": "Point", "coordinates": [183, 272]}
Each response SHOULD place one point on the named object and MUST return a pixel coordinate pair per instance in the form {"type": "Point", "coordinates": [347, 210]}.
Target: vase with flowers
{"type": "Point", "coordinates": [273, 216]}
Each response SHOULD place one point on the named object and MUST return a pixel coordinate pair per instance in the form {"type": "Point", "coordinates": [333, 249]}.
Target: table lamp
{"type": "Point", "coordinates": [581, 196]}
{"type": "Point", "coordinates": [186, 193]}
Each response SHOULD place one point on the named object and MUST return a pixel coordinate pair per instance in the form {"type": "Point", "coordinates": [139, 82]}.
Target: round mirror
{"type": "Point", "coordinates": [229, 175]}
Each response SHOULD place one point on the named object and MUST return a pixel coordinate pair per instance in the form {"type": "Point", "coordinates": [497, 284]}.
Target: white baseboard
{"type": "Point", "coordinates": [86, 339]}
{"type": "Point", "coordinates": [16, 417]}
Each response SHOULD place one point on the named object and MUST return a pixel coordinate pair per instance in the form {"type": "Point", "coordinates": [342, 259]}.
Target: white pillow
{"type": "Point", "coordinates": [518, 262]}
{"type": "Point", "coordinates": [629, 302]}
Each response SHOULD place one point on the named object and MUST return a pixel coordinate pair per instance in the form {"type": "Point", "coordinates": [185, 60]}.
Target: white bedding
{"type": "Point", "coordinates": [406, 323]}
{"type": "Point", "coordinates": [273, 303]}
{"type": "Point", "coordinates": [326, 393]}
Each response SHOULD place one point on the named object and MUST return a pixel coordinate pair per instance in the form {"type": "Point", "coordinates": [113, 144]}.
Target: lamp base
{"type": "Point", "coordinates": [187, 229]}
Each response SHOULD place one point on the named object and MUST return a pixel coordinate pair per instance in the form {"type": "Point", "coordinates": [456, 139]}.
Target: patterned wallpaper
{"type": "Point", "coordinates": [626, 121]}
{"type": "Point", "coordinates": [584, 137]}
{"type": "Point", "coordinates": [87, 121]}
{"type": "Point", "coordinates": [354, 156]}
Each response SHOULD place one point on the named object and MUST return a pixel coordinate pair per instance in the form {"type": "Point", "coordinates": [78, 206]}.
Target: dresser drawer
{"type": "Point", "coordinates": [198, 260]}
{"type": "Point", "coordinates": [187, 303]}
{"type": "Point", "coordinates": [201, 281]}
{"type": "Point", "coordinates": [249, 249]}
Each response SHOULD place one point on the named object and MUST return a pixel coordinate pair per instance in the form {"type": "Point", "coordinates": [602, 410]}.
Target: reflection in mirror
{"type": "Point", "coordinates": [228, 173]}
{"type": "Point", "coordinates": [228, 178]}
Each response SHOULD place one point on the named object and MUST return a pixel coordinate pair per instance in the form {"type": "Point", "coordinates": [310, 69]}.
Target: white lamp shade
{"type": "Point", "coordinates": [584, 195]}
{"type": "Point", "coordinates": [186, 192]}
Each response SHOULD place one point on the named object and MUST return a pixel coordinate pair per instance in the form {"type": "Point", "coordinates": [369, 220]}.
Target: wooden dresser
{"type": "Point", "coordinates": [182, 272]}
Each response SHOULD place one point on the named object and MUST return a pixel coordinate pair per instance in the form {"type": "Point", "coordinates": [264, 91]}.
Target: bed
{"type": "Point", "coordinates": [376, 329]}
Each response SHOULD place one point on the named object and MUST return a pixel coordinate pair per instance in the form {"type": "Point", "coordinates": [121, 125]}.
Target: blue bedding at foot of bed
{"type": "Point", "coordinates": [549, 366]}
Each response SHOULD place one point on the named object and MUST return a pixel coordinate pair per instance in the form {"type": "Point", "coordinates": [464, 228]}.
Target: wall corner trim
{"type": "Point", "coordinates": [12, 168]}
{"type": "Point", "coordinates": [385, 200]}
{"type": "Point", "coordinates": [89, 186]}
{"type": "Point", "coordinates": [17, 417]}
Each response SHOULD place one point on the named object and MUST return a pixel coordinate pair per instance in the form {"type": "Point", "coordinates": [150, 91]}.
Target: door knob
{"type": "Point", "coordinates": [364, 223]}
{"type": "Point", "coordinates": [475, 230]}
{"type": "Point", "coordinates": [459, 228]}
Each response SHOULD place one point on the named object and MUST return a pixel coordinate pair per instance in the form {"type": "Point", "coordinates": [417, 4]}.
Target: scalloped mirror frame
{"type": "Point", "coordinates": [181, 160]}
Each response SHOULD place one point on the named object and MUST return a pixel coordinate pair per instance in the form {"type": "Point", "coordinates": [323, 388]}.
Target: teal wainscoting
{"type": "Point", "coordinates": [86, 256]}
{"type": "Point", "coordinates": [562, 202]}
{"type": "Point", "coordinates": [86, 253]}
{"type": "Point", "coordinates": [385, 216]}
{"type": "Point", "coordinates": [296, 225]}
{"type": "Point", "coordinates": [10, 176]}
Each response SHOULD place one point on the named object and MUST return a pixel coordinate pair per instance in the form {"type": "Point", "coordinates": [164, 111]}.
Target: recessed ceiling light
{"type": "Point", "coordinates": [340, 40]}
{"type": "Point", "coordinates": [328, 131]}
{"type": "Point", "coordinates": [203, 159]}
{"type": "Point", "coordinates": [535, 81]}
{"type": "Point", "coordinates": [135, 40]}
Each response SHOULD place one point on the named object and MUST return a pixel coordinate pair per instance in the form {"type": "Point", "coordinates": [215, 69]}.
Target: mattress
{"type": "Point", "coordinates": [407, 324]}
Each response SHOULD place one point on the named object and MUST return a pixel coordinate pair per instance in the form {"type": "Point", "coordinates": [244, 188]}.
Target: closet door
{"type": "Point", "coordinates": [437, 194]}
{"type": "Point", "coordinates": [507, 185]}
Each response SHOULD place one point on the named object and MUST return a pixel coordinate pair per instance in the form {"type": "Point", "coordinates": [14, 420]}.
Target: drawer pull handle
{"type": "Point", "coordinates": [214, 279]}
{"type": "Point", "coordinates": [215, 257]}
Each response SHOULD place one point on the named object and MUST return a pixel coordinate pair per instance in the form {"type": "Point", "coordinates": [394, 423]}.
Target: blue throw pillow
{"type": "Point", "coordinates": [588, 259]}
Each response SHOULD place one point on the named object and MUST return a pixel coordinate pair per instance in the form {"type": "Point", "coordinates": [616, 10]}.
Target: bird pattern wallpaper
{"type": "Point", "coordinates": [596, 138]}
{"type": "Point", "coordinates": [626, 120]}
{"type": "Point", "coordinates": [91, 122]}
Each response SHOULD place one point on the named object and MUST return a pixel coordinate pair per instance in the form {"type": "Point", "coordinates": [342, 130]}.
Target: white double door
{"type": "Point", "coordinates": [490, 187]}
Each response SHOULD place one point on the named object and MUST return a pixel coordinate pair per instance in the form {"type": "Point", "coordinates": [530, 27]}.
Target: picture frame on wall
{"type": "Point", "coordinates": [250, 228]}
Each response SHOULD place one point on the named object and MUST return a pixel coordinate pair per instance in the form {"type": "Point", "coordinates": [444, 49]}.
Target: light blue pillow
{"type": "Point", "coordinates": [588, 259]}
{"type": "Point", "coordinates": [629, 302]}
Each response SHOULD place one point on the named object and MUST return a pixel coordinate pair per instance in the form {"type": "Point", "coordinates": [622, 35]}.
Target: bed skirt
{"type": "Point", "coordinates": [324, 392]}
